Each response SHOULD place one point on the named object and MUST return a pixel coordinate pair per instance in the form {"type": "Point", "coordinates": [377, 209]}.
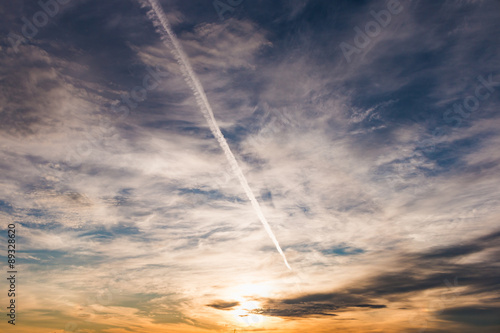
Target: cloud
{"type": "Point", "coordinates": [476, 316]}
{"type": "Point", "coordinates": [222, 305]}
{"type": "Point", "coordinates": [144, 227]}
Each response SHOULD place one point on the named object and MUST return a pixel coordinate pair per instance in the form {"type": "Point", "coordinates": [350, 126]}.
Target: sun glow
{"type": "Point", "coordinates": [247, 313]}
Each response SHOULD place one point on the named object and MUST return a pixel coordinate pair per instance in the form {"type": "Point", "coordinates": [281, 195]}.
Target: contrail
{"type": "Point", "coordinates": [159, 19]}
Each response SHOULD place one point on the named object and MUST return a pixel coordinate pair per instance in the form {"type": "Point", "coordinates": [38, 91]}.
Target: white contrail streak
{"type": "Point", "coordinates": [160, 20]}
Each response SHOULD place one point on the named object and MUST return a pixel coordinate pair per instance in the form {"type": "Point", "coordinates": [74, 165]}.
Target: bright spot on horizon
{"type": "Point", "coordinates": [244, 313]}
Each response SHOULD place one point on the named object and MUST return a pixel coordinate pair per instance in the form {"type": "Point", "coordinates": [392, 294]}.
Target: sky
{"type": "Point", "coordinates": [367, 131]}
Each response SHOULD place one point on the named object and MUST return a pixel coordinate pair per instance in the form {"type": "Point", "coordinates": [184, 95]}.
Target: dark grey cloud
{"type": "Point", "coordinates": [453, 252]}
{"type": "Point", "coordinates": [435, 269]}
{"type": "Point", "coordinates": [310, 310]}
{"type": "Point", "coordinates": [477, 316]}
{"type": "Point", "coordinates": [222, 305]}
{"type": "Point", "coordinates": [314, 305]}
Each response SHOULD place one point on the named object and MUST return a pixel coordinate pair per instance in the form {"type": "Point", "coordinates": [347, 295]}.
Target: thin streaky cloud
{"type": "Point", "coordinates": [159, 18]}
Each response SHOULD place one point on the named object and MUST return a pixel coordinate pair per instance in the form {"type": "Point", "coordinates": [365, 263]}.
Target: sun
{"type": "Point", "coordinates": [246, 313]}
